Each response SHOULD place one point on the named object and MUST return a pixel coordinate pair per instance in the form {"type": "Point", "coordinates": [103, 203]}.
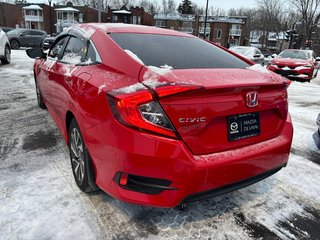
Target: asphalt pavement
{"type": "Point", "coordinates": [40, 200]}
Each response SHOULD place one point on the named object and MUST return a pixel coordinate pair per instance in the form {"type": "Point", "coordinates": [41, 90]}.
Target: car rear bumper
{"type": "Point", "coordinates": [191, 176]}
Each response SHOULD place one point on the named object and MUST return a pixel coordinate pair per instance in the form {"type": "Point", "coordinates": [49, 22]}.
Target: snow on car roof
{"type": "Point", "coordinates": [131, 28]}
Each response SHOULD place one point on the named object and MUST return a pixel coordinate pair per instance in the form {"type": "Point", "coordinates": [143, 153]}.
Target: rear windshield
{"type": "Point", "coordinates": [176, 52]}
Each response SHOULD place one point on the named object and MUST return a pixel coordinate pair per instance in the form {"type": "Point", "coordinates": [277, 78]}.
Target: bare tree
{"type": "Point", "coordinates": [198, 10]}
{"type": "Point", "coordinates": [309, 11]}
{"type": "Point", "coordinates": [171, 5]}
{"type": "Point", "coordinates": [214, 11]}
{"type": "Point", "coordinates": [168, 6]}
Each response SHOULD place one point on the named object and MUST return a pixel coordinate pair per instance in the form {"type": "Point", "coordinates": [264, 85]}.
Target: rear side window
{"type": "Point", "coordinates": [36, 33]}
{"type": "Point", "coordinates": [75, 51]}
{"type": "Point", "coordinates": [177, 52]}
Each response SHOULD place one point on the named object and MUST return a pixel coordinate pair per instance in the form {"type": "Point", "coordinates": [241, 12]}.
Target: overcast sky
{"type": "Point", "coordinates": [225, 4]}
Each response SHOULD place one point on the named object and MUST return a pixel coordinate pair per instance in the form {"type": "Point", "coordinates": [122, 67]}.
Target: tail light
{"type": "Point", "coordinates": [139, 110]}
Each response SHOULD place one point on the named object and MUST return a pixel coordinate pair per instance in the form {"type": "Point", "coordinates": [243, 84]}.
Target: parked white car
{"type": "Point", "coordinates": [252, 53]}
{"type": "Point", "coordinates": [5, 51]}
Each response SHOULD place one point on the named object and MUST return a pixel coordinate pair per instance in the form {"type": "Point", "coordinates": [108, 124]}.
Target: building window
{"type": "Point", "coordinates": [187, 24]}
{"type": "Point", "coordinates": [134, 20]}
{"type": "Point", "coordinates": [160, 23]}
{"type": "Point", "coordinates": [115, 18]}
{"type": "Point", "coordinates": [219, 33]}
{"type": "Point", "coordinates": [236, 26]}
{"type": "Point", "coordinates": [139, 20]}
{"type": "Point", "coordinates": [80, 17]}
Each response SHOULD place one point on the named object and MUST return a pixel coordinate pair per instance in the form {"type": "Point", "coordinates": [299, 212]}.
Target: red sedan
{"type": "Point", "coordinates": [295, 64]}
{"type": "Point", "coordinates": [161, 118]}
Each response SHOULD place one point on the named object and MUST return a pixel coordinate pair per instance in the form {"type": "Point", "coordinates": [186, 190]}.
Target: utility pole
{"type": "Point", "coordinates": [50, 21]}
{"type": "Point", "coordinates": [99, 11]}
{"type": "Point", "coordinates": [205, 21]}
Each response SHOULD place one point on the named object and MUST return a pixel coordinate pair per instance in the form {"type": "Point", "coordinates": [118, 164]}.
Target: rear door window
{"type": "Point", "coordinates": [75, 51]}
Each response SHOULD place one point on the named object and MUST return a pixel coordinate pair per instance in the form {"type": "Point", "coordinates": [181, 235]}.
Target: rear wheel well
{"type": "Point", "coordinates": [69, 118]}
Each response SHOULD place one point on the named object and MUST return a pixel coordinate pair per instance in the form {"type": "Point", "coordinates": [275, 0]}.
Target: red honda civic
{"type": "Point", "coordinates": [161, 118]}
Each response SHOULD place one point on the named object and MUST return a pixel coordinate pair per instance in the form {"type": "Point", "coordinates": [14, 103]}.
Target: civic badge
{"type": "Point", "coordinates": [252, 99]}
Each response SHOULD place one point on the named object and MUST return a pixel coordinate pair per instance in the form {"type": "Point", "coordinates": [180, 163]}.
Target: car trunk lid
{"type": "Point", "coordinates": [217, 98]}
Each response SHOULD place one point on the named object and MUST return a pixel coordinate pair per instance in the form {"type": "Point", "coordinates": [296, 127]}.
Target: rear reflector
{"type": "Point", "coordinates": [142, 184]}
{"type": "Point", "coordinates": [123, 179]}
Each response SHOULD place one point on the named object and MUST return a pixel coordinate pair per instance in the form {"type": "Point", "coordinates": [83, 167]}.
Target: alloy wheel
{"type": "Point", "coordinates": [77, 154]}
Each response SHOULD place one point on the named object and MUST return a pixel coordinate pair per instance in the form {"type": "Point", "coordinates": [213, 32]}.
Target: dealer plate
{"type": "Point", "coordinates": [243, 126]}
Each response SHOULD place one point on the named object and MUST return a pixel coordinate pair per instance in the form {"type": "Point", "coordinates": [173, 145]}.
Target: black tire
{"type": "Point", "coordinates": [80, 160]}
{"type": "Point", "coordinates": [7, 56]}
{"type": "Point", "coordinates": [15, 44]}
{"type": "Point", "coordinates": [316, 74]}
{"type": "Point", "coordinates": [39, 97]}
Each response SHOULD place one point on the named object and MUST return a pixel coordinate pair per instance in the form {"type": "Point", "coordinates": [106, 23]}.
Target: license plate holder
{"type": "Point", "coordinates": [243, 126]}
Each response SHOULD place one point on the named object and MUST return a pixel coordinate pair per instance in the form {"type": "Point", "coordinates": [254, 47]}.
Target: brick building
{"type": "Point", "coordinates": [10, 15]}
{"type": "Point", "coordinates": [134, 15]}
{"type": "Point", "coordinates": [224, 31]}
{"type": "Point", "coordinates": [37, 16]}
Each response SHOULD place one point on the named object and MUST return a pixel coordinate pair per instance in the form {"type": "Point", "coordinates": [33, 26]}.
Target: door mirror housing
{"type": "Point", "coordinates": [318, 59]}
{"type": "Point", "coordinates": [274, 55]}
{"type": "Point", "coordinates": [257, 55]}
{"type": "Point", "coordinates": [22, 34]}
{"type": "Point", "coordinates": [36, 53]}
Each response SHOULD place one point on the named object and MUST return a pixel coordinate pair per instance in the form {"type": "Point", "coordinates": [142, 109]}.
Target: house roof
{"type": "Point", "coordinates": [33, 7]}
{"type": "Point", "coordinates": [174, 16]}
{"type": "Point", "coordinates": [37, 1]}
{"type": "Point", "coordinates": [121, 12]}
{"type": "Point", "coordinates": [67, 9]}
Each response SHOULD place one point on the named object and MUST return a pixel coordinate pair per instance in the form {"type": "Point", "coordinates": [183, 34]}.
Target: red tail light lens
{"type": "Point", "coordinates": [139, 110]}
{"type": "Point", "coordinates": [167, 90]}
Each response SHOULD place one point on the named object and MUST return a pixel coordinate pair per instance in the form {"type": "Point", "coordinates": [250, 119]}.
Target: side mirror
{"type": "Point", "coordinates": [22, 34]}
{"type": "Point", "coordinates": [35, 53]}
{"type": "Point", "coordinates": [274, 55]}
{"type": "Point", "coordinates": [317, 59]}
{"type": "Point", "coordinates": [257, 55]}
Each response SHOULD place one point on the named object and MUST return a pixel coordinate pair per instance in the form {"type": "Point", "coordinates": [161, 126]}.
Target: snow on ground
{"type": "Point", "coordinates": [39, 199]}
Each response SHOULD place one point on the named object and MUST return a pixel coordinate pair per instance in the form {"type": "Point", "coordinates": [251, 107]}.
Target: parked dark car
{"type": "Point", "coordinates": [316, 135]}
{"type": "Point", "coordinates": [251, 53]}
{"type": "Point", "coordinates": [47, 42]}
{"type": "Point", "coordinates": [26, 38]}
{"type": "Point", "coordinates": [7, 29]}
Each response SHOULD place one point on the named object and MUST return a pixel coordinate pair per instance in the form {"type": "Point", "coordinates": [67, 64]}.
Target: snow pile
{"type": "Point", "coordinates": [151, 77]}
{"type": "Point", "coordinates": [88, 62]}
{"type": "Point", "coordinates": [131, 89]}
{"type": "Point", "coordinates": [134, 56]}
{"type": "Point", "coordinates": [101, 87]}
{"type": "Point", "coordinates": [72, 58]}
{"type": "Point", "coordinates": [163, 70]}
{"type": "Point", "coordinates": [258, 68]}
{"type": "Point", "coordinates": [302, 68]}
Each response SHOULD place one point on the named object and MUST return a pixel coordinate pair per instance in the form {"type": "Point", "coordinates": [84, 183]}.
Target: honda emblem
{"type": "Point", "coordinates": [252, 99]}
